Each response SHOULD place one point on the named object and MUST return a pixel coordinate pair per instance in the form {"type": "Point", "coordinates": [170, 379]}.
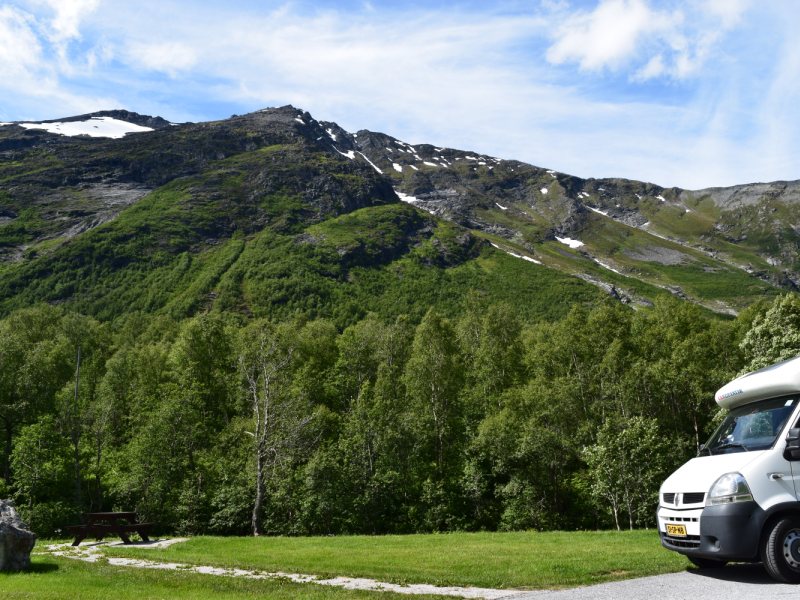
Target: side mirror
{"type": "Point", "coordinates": [792, 450]}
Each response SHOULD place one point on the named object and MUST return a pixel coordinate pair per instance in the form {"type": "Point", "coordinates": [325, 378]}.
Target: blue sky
{"type": "Point", "coordinates": [690, 93]}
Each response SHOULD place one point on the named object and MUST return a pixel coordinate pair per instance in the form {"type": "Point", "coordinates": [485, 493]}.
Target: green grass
{"type": "Point", "coordinates": [60, 578]}
{"type": "Point", "coordinates": [497, 560]}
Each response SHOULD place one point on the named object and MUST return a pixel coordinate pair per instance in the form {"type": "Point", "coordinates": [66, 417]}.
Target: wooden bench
{"type": "Point", "coordinates": [99, 525]}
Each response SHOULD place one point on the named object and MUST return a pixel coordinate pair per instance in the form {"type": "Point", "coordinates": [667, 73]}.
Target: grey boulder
{"type": "Point", "coordinates": [16, 541]}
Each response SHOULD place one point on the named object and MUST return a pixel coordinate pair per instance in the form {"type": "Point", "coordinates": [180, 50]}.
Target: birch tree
{"type": "Point", "coordinates": [626, 465]}
{"type": "Point", "coordinates": [266, 361]}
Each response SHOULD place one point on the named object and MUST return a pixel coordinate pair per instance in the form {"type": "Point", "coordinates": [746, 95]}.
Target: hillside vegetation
{"type": "Point", "coordinates": [217, 424]}
{"type": "Point", "coordinates": [238, 327]}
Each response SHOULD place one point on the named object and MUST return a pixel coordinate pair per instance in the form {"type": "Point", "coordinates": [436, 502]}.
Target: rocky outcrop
{"type": "Point", "coordinates": [16, 541]}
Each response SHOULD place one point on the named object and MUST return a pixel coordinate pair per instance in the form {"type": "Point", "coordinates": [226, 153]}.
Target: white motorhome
{"type": "Point", "coordinates": [739, 500]}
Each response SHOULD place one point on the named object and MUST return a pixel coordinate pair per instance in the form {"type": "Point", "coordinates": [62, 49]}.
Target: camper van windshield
{"type": "Point", "coordinates": [751, 427]}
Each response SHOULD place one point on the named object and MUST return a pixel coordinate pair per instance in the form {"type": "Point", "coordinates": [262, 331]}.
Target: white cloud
{"type": "Point", "coordinates": [20, 50]}
{"type": "Point", "coordinates": [166, 57]}
{"type": "Point", "coordinates": [67, 17]}
{"type": "Point", "coordinates": [609, 36]}
{"type": "Point", "coordinates": [654, 68]}
{"type": "Point", "coordinates": [651, 43]}
{"type": "Point", "coordinates": [730, 12]}
{"type": "Point", "coordinates": [34, 60]}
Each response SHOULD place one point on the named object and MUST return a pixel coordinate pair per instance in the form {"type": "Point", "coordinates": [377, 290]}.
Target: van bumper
{"type": "Point", "coordinates": [727, 532]}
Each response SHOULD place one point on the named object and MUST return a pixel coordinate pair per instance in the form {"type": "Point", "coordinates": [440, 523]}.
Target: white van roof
{"type": "Point", "coordinates": [776, 380]}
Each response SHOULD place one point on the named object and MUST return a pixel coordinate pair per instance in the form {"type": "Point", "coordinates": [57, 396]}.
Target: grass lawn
{"type": "Point", "coordinates": [494, 560]}
{"type": "Point", "coordinates": [66, 579]}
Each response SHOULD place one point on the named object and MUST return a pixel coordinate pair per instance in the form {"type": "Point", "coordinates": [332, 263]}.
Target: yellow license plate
{"type": "Point", "coordinates": [676, 530]}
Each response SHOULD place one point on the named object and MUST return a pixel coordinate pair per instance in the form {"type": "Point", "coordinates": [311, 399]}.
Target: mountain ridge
{"type": "Point", "coordinates": [720, 247]}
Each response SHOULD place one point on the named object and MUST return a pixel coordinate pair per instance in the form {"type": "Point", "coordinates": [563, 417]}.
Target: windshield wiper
{"type": "Point", "coordinates": [731, 445]}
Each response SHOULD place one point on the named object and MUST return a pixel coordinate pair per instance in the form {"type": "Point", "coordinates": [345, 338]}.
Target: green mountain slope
{"type": "Point", "coordinates": [275, 212]}
{"type": "Point", "coordinates": [259, 217]}
{"type": "Point", "coordinates": [721, 248]}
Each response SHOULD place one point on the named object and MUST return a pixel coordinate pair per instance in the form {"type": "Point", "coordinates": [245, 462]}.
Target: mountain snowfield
{"type": "Point", "coordinates": [722, 248]}
{"type": "Point", "coordinates": [101, 127]}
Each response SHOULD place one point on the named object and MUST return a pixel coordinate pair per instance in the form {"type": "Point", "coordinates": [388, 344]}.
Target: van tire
{"type": "Point", "coordinates": [707, 563]}
{"type": "Point", "coordinates": [781, 551]}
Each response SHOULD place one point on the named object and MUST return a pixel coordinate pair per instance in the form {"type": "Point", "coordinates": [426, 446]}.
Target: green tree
{"type": "Point", "coordinates": [492, 349]}
{"type": "Point", "coordinates": [266, 363]}
{"type": "Point", "coordinates": [41, 463]}
{"type": "Point", "coordinates": [34, 364]}
{"type": "Point", "coordinates": [433, 379]}
{"type": "Point", "coordinates": [205, 360]}
{"type": "Point", "coordinates": [80, 414]}
{"type": "Point", "coordinates": [626, 467]}
{"type": "Point", "coordinates": [773, 336]}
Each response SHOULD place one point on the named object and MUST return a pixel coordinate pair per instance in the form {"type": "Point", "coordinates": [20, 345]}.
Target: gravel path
{"type": "Point", "coordinates": [734, 581]}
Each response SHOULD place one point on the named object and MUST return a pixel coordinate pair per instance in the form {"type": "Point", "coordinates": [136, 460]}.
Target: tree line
{"type": "Point", "coordinates": [217, 424]}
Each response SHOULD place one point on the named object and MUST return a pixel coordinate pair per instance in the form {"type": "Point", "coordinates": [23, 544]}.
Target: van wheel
{"type": "Point", "coordinates": [781, 551]}
{"type": "Point", "coordinates": [707, 563]}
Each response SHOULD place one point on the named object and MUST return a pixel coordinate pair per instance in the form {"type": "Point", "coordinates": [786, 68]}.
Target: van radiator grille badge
{"type": "Point", "coordinates": [685, 498]}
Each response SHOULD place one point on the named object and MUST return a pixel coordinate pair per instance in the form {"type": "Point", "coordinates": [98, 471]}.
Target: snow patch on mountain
{"type": "Point", "coordinates": [515, 255]}
{"type": "Point", "coordinates": [606, 266]}
{"type": "Point", "coordinates": [372, 164]}
{"type": "Point", "coordinates": [570, 242]}
{"type": "Point", "coordinates": [597, 210]}
{"type": "Point", "coordinates": [349, 154]}
{"type": "Point", "coordinates": [106, 127]}
{"type": "Point", "coordinates": [397, 167]}
{"type": "Point", "coordinates": [406, 197]}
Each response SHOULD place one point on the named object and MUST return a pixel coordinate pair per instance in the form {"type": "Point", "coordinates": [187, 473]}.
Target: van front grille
{"type": "Point", "coordinates": [684, 498]}
{"type": "Point", "coordinates": [690, 541]}
{"type": "Point", "coordinates": [672, 519]}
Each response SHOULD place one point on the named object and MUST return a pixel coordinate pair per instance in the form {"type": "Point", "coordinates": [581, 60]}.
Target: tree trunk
{"type": "Point", "coordinates": [73, 424]}
{"type": "Point", "coordinates": [9, 445]}
{"type": "Point", "coordinates": [259, 501]}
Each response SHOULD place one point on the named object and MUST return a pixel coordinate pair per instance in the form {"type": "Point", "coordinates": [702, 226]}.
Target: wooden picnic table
{"type": "Point", "coordinates": [101, 524]}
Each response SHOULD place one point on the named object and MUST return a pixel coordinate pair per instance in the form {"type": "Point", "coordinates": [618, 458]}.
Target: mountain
{"type": "Point", "coordinates": [721, 247]}
{"type": "Point", "coordinates": [259, 214]}
{"type": "Point", "coordinates": [274, 212]}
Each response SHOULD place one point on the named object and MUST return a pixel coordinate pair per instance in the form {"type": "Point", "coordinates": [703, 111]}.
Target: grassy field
{"type": "Point", "coordinates": [65, 579]}
{"type": "Point", "coordinates": [495, 560]}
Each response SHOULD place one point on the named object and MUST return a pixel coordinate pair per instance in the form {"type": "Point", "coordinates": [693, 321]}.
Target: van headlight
{"type": "Point", "coordinates": [731, 487]}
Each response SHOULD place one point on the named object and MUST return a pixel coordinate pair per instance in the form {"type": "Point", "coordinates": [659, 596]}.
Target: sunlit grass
{"type": "Point", "coordinates": [497, 560]}
{"type": "Point", "coordinates": [66, 579]}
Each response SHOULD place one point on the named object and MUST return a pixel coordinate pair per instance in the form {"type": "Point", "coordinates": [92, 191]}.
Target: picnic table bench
{"type": "Point", "coordinates": [101, 524]}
